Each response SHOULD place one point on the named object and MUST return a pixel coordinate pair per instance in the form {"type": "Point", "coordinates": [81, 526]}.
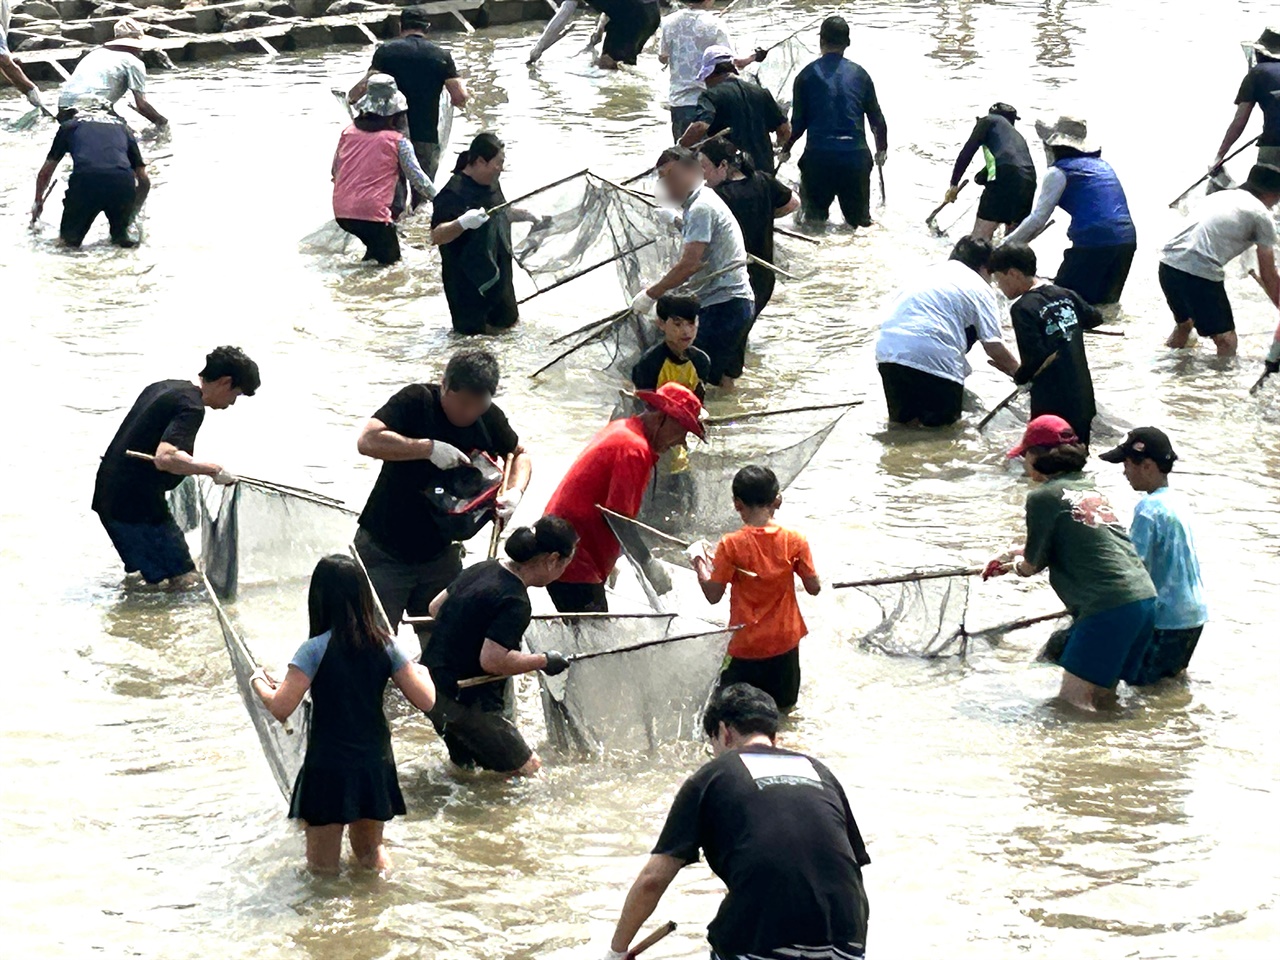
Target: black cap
{"type": "Point", "coordinates": [1264, 178]}
{"type": "Point", "coordinates": [1005, 110]}
{"type": "Point", "coordinates": [1144, 443]}
{"type": "Point", "coordinates": [415, 18]}
{"type": "Point", "coordinates": [834, 32]}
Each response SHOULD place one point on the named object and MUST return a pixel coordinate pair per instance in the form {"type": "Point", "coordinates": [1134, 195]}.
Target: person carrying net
{"type": "Point", "coordinates": [348, 778]}
{"type": "Point", "coordinates": [758, 566]}
{"type": "Point", "coordinates": [480, 623]}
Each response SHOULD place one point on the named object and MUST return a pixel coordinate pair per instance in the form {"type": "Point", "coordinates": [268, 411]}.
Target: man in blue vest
{"type": "Point", "coordinates": [1103, 239]}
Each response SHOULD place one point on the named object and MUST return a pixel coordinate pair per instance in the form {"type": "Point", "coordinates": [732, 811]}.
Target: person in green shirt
{"type": "Point", "coordinates": [1093, 568]}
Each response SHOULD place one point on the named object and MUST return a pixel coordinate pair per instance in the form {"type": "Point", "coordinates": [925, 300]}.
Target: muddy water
{"type": "Point", "coordinates": [141, 819]}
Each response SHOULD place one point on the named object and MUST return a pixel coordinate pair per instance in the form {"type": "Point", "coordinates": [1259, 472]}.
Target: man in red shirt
{"type": "Point", "coordinates": [614, 472]}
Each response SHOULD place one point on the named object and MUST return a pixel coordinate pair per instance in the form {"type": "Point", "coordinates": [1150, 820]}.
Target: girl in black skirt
{"type": "Point", "coordinates": [348, 778]}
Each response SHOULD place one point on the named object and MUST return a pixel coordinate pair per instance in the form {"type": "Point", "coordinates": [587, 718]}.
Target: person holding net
{"type": "Point", "coordinates": [758, 566]}
{"type": "Point", "coordinates": [1093, 567]}
{"type": "Point", "coordinates": [348, 777]}
{"type": "Point", "coordinates": [776, 827]}
{"type": "Point", "coordinates": [743, 107]}
{"type": "Point", "coordinates": [11, 71]}
{"type": "Point", "coordinates": [481, 619]}
{"type": "Point", "coordinates": [685, 35]}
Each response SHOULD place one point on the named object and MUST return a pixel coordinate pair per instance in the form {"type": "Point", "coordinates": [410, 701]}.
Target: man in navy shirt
{"type": "Point", "coordinates": [1260, 88]}
{"type": "Point", "coordinates": [832, 98]}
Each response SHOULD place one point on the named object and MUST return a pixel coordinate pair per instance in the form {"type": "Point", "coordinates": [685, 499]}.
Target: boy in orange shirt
{"type": "Point", "coordinates": [759, 561]}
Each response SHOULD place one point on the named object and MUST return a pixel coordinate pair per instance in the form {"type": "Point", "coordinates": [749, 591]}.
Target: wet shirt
{"type": "Point", "coordinates": [476, 264]}
{"type": "Point", "coordinates": [1003, 149]}
{"type": "Point", "coordinates": [831, 99]}
{"type": "Point", "coordinates": [130, 490]}
{"type": "Point", "coordinates": [398, 515]}
{"type": "Point", "coordinates": [685, 35]}
{"type": "Point", "coordinates": [348, 727]}
{"type": "Point", "coordinates": [1261, 85]}
{"type": "Point", "coordinates": [1049, 319]}
{"type": "Point", "coordinates": [660, 364]}
{"type": "Point", "coordinates": [97, 148]}
{"type": "Point", "coordinates": [105, 74]}
{"type": "Point", "coordinates": [1072, 530]}
{"type": "Point", "coordinates": [486, 602]}
{"type": "Point", "coordinates": [750, 113]}
{"type": "Point", "coordinates": [707, 220]}
{"type": "Point", "coordinates": [1225, 225]}
{"type": "Point", "coordinates": [752, 201]}
{"type": "Point", "coordinates": [614, 471]}
{"type": "Point", "coordinates": [925, 329]}
{"type": "Point", "coordinates": [420, 69]}
{"type": "Point", "coordinates": [777, 829]}
{"type": "Point", "coordinates": [1161, 534]}
{"type": "Point", "coordinates": [763, 599]}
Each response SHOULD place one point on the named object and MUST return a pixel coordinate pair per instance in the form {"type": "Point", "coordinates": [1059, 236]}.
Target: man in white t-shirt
{"type": "Point", "coordinates": [10, 70]}
{"type": "Point", "coordinates": [686, 34]}
{"type": "Point", "coordinates": [111, 71]}
{"type": "Point", "coordinates": [921, 347]}
{"type": "Point", "coordinates": [1192, 277]}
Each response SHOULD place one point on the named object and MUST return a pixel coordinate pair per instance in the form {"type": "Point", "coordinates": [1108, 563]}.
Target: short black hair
{"type": "Point", "coordinates": [1013, 256]}
{"type": "Point", "coordinates": [681, 155]}
{"type": "Point", "coordinates": [742, 708]}
{"type": "Point", "coordinates": [234, 363]}
{"type": "Point", "coordinates": [674, 305]}
{"type": "Point", "coordinates": [475, 371]}
{"type": "Point", "coordinates": [756, 486]}
{"type": "Point", "coordinates": [973, 252]}
{"type": "Point", "coordinates": [415, 18]}
{"type": "Point", "coordinates": [834, 32]}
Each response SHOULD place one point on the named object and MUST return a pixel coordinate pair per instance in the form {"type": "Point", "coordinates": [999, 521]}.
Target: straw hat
{"type": "Point", "coordinates": [1268, 44]}
{"type": "Point", "coordinates": [1067, 132]}
{"type": "Point", "coordinates": [382, 97]}
{"type": "Point", "coordinates": [128, 34]}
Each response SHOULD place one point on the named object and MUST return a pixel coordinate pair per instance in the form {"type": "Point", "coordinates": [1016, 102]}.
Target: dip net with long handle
{"type": "Point", "coordinates": [635, 699]}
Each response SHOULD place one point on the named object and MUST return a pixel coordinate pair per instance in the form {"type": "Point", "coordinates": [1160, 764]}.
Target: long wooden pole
{"type": "Point", "coordinates": [268, 485]}
{"type": "Point", "coordinates": [533, 193]}
{"type": "Point", "coordinates": [1048, 361]}
{"type": "Point", "coordinates": [913, 577]}
{"type": "Point", "coordinates": [1017, 624]}
{"type": "Point", "coordinates": [757, 414]}
{"type": "Point", "coordinates": [497, 523]}
{"type": "Point", "coordinates": [586, 615]}
{"type": "Point", "coordinates": [658, 935]}
{"type": "Point", "coordinates": [928, 221]}
{"type": "Point", "coordinates": [1235, 153]}
{"type": "Point", "coordinates": [582, 273]}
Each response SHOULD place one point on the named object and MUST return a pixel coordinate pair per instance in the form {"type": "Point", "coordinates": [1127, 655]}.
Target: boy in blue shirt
{"type": "Point", "coordinates": [1161, 533]}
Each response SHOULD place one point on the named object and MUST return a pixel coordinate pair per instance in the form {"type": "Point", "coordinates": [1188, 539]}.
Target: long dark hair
{"type": "Point", "coordinates": [1064, 458]}
{"type": "Point", "coordinates": [548, 535]}
{"type": "Point", "coordinates": [721, 150]}
{"type": "Point", "coordinates": [340, 600]}
{"type": "Point", "coordinates": [485, 146]}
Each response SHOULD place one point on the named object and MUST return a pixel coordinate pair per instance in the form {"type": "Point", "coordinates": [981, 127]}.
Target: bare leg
{"type": "Point", "coordinates": [531, 767]}
{"type": "Point", "coordinates": [1079, 693]}
{"type": "Point", "coordinates": [324, 849]}
{"type": "Point", "coordinates": [606, 62]}
{"type": "Point", "coordinates": [1226, 343]}
{"type": "Point", "coordinates": [367, 846]}
{"type": "Point", "coordinates": [1180, 337]}
{"type": "Point", "coordinates": [183, 582]}
{"type": "Point", "coordinates": [984, 229]}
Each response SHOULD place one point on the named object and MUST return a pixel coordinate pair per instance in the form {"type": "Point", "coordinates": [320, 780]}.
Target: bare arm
{"type": "Point", "coordinates": [1267, 273]}
{"type": "Point", "coordinates": [521, 471]}
{"type": "Point", "coordinates": [380, 442]}
{"type": "Point", "coordinates": [42, 183]}
{"type": "Point", "coordinates": [284, 698]}
{"type": "Point", "coordinates": [447, 232]}
{"type": "Point", "coordinates": [642, 899]}
{"type": "Point", "coordinates": [169, 459]}
{"type": "Point", "coordinates": [690, 262]}
{"type": "Point", "coordinates": [714, 592]}
{"type": "Point", "coordinates": [147, 110]}
{"type": "Point", "coordinates": [358, 91]}
{"type": "Point", "coordinates": [433, 608]}
{"type": "Point", "coordinates": [144, 188]}
{"type": "Point", "coordinates": [457, 91]}
{"type": "Point", "coordinates": [783, 134]}
{"type": "Point", "coordinates": [790, 206]}
{"type": "Point", "coordinates": [1234, 129]}
{"type": "Point", "coordinates": [1001, 356]}
{"type": "Point", "coordinates": [694, 133]}
{"type": "Point", "coordinates": [13, 73]}
{"type": "Point", "coordinates": [414, 681]}
{"type": "Point", "coordinates": [501, 662]}
{"type": "Point", "coordinates": [812, 585]}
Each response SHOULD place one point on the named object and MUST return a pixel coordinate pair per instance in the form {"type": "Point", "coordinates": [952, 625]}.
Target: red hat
{"type": "Point", "coordinates": [678, 402]}
{"type": "Point", "coordinates": [1046, 431]}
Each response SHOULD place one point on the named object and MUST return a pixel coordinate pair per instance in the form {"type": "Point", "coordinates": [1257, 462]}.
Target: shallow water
{"type": "Point", "coordinates": [141, 819]}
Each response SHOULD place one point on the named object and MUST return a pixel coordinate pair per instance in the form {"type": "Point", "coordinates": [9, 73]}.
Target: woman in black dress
{"type": "Point", "coordinates": [348, 777]}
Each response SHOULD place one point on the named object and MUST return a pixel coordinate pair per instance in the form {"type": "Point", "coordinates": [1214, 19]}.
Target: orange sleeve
{"type": "Point", "coordinates": [803, 564]}
{"type": "Point", "coordinates": [723, 567]}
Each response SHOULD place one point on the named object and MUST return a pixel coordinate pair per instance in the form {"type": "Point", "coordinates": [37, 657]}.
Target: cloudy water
{"type": "Point", "coordinates": [140, 816]}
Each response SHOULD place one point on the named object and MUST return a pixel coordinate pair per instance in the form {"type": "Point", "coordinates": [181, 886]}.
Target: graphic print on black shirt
{"type": "Point", "coordinates": [486, 602]}
{"type": "Point", "coordinates": [397, 514]}
{"type": "Point", "coordinates": [420, 69]}
{"type": "Point", "coordinates": [770, 820]}
{"type": "Point", "coordinates": [131, 490]}
{"type": "Point", "coordinates": [1048, 319]}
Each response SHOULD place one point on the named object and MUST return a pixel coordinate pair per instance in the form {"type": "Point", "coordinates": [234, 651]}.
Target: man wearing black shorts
{"type": "Point", "coordinates": [1008, 176]}
{"type": "Point", "coordinates": [129, 493]}
{"type": "Point", "coordinates": [777, 829]}
{"type": "Point", "coordinates": [1192, 273]}
{"type": "Point", "coordinates": [630, 25]}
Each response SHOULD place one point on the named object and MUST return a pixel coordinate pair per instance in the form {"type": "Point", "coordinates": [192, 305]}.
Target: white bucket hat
{"type": "Point", "coordinates": [128, 33]}
{"type": "Point", "coordinates": [1067, 132]}
{"type": "Point", "coordinates": [382, 97]}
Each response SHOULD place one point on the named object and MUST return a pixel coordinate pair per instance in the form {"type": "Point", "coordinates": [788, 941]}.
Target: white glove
{"type": "Point", "coordinates": [700, 550]}
{"type": "Point", "coordinates": [657, 575]}
{"type": "Point", "coordinates": [223, 479]}
{"type": "Point", "coordinates": [446, 456]}
{"type": "Point", "coordinates": [642, 304]}
{"type": "Point", "coordinates": [473, 218]}
{"type": "Point", "coordinates": [881, 157]}
{"type": "Point", "coordinates": [33, 98]}
{"type": "Point", "coordinates": [507, 504]}
{"type": "Point", "coordinates": [614, 955]}
{"type": "Point", "coordinates": [784, 157]}
{"type": "Point", "coordinates": [667, 217]}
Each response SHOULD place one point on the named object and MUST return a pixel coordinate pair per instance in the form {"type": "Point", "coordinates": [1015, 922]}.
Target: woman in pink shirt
{"type": "Point", "coordinates": [372, 153]}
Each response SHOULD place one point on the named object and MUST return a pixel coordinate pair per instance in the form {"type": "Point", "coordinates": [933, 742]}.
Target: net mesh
{"type": "Point", "coordinates": [924, 618]}
{"type": "Point", "coordinates": [778, 72]}
{"type": "Point", "coordinates": [633, 700]}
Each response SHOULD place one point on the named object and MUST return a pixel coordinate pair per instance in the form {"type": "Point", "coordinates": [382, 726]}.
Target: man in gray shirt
{"type": "Point", "coordinates": [1226, 224]}
{"type": "Point", "coordinates": [714, 260]}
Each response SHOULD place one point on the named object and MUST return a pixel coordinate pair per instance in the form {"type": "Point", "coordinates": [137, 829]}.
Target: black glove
{"type": "Point", "coordinates": [1272, 366]}
{"type": "Point", "coordinates": [557, 663]}
{"type": "Point", "coordinates": [761, 53]}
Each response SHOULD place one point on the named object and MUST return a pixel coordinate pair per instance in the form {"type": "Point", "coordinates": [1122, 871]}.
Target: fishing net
{"type": "Point", "coordinates": [922, 618]}
{"type": "Point", "coordinates": [778, 72]}
{"type": "Point", "coordinates": [634, 699]}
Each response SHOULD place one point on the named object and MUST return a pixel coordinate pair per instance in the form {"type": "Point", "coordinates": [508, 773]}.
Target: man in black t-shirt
{"type": "Point", "coordinates": [1049, 321]}
{"type": "Point", "coordinates": [129, 493]}
{"type": "Point", "coordinates": [630, 25]}
{"type": "Point", "coordinates": [1261, 88]}
{"type": "Point", "coordinates": [776, 828]}
{"type": "Point", "coordinates": [108, 175]}
{"type": "Point", "coordinates": [748, 110]}
{"type": "Point", "coordinates": [419, 433]}
{"type": "Point", "coordinates": [422, 70]}
{"type": "Point", "coordinates": [1008, 175]}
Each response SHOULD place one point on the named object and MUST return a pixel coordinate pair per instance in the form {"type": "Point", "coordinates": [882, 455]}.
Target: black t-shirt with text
{"type": "Point", "coordinates": [420, 69]}
{"type": "Point", "coordinates": [777, 829]}
{"type": "Point", "coordinates": [1048, 319]}
{"type": "Point", "coordinates": [486, 602]}
{"type": "Point", "coordinates": [398, 515]}
{"type": "Point", "coordinates": [752, 200]}
{"type": "Point", "coordinates": [96, 147]}
{"type": "Point", "coordinates": [1261, 85]}
{"type": "Point", "coordinates": [131, 490]}
{"type": "Point", "coordinates": [751, 114]}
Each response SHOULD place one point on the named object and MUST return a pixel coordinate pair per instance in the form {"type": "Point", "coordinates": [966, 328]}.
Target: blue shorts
{"type": "Point", "coordinates": [722, 333]}
{"type": "Point", "coordinates": [156, 550]}
{"type": "Point", "coordinates": [1109, 645]}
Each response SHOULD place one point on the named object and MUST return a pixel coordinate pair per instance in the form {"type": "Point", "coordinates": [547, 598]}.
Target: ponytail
{"type": "Point", "coordinates": [485, 146]}
{"type": "Point", "coordinates": [548, 535]}
{"type": "Point", "coordinates": [721, 150]}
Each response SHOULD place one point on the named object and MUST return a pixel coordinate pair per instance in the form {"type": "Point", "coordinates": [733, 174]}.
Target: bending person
{"type": "Point", "coordinates": [480, 623]}
{"type": "Point", "coordinates": [111, 71]}
{"type": "Point", "coordinates": [348, 777]}
{"type": "Point", "coordinates": [11, 71]}
{"type": "Point", "coordinates": [1007, 177]}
